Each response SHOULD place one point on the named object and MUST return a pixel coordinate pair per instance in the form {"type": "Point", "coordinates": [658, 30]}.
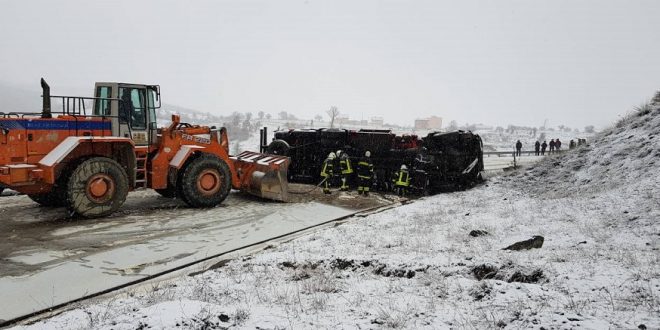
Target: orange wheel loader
{"type": "Point", "coordinates": [91, 153]}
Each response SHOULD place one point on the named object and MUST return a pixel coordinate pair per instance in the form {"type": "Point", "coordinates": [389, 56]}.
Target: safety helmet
{"type": "Point", "coordinates": [367, 154]}
{"type": "Point", "coordinates": [404, 167]}
{"type": "Point", "coordinates": [331, 155]}
{"type": "Point", "coordinates": [338, 152]}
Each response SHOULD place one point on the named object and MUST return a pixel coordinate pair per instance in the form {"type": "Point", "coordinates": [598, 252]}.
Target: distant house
{"type": "Point", "coordinates": [377, 121]}
{"type": "Point", "coordinates": [341, 120]}
{"type": "Point", "coordinates": [345, 120]}
{"type": "Point", "coordinates": [433, 122]}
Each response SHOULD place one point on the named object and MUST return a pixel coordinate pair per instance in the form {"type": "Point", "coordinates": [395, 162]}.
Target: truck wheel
{"type": "Point", "coordinates": [205, 182]}
{"type": "Point", "coordinates": [278, 147]}
{"type": "Point", "coordinates": [97, 187]}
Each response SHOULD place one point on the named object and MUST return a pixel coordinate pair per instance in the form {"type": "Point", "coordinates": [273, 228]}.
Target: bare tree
{"type": "Point", "coordinates": [333, 113]}
{"type": "Point", "coordinates": [260, 114]}
{"type": "Point", "coordinates": [589, 129]}
{"type": "Point", "coordinates": [236, 118]}
{"type": "Point", "coordinates": [318, 118]}
{"type": "Point", "coordinates": [283, 115]}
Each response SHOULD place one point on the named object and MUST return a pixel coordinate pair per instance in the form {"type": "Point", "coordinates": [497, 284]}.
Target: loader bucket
{"type": "Point", "coordinates": [263, 175]}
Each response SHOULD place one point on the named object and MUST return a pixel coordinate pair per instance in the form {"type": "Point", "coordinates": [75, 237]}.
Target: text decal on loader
{"type": "Point", "coordinates": [197, 139]}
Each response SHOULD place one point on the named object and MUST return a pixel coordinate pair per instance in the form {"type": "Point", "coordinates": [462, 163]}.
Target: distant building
{"type": "Point", "coordinates": [377, 121]}
{"type": "Point", "coordinates": [482, 127]}
{"type": "Point", "coordinates": [346, 120]}
{"type": "Point", "coordinates": [433, 122]}
{"type": "Point", "coordinates": [341, 120]}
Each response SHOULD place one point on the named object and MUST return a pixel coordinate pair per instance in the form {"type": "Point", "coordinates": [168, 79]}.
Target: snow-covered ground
{"type": "Point", "coordinates": [417, 266]}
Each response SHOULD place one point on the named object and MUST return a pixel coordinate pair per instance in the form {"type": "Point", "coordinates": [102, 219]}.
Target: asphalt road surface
{"type": "Point", "coordinates": [48, 258]}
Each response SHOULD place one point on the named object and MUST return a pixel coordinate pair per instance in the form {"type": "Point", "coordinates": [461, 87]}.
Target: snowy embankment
{"type": "Point", "coordinates": [417, 266]}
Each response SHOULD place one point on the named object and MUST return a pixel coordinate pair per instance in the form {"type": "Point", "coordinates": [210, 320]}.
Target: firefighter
{"type": "Point", "coordinates": [402, 181]}
{"type": "Point", "coordinates": [346, 170]}
{"type": "Point", "coordinates": [336, 177]}
{"type": "Point", "coordinates": [365, 172]}
{"type": "Point", "coordinates": [327, 172]}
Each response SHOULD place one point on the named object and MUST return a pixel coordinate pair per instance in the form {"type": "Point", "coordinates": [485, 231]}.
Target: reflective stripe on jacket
{"type": "Point", "coordinates": [327, 168]}
{"type": "Point", "coordinates": [345, 165]}
{"type": "Point", "coordinates": [365, 169]}
{"type": "Point", "coordinates": [403, 179]}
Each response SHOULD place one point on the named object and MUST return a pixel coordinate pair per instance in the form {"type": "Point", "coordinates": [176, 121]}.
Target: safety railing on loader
{"type": "Point", "coordinates": [76, 107]}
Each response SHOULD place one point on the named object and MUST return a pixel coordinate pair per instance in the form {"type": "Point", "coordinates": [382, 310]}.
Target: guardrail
{"type": "Point", "coordinates": [522, 152]}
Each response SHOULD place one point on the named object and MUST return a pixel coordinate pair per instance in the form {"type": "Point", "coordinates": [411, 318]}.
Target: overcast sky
{"type": "Point", "coordinates": [495, 62]}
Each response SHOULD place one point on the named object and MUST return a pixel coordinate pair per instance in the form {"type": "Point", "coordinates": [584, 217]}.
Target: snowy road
{"type": "Point", "coordinates": [493, 163]}
{"type": "Point", "coordinates": [47, 259]}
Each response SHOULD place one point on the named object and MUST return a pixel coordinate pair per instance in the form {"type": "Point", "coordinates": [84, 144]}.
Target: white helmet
{"type": "Point", "coordinates": [367, 154]}
{"type": "Point", "coordinates": [404, 167]}
{"type": "Point", "coordinates": [338, 152]}
{"type": "Point", "coordinates": [331, 155]}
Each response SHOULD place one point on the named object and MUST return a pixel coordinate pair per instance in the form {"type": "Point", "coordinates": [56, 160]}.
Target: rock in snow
{"type": "Point", "coordinates": [478, 232]}
{"type": "Point", "coordinates": [535, 242]}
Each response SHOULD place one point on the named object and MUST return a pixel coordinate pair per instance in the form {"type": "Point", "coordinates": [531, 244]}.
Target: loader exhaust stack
{"type": "Point", "coordinates": [45, 112]}
{"type": "Point", "coordinates": [263, 175]}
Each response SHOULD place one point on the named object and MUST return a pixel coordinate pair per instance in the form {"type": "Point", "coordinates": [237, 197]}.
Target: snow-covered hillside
{"type": "Point", "coordinates": [440, 262]}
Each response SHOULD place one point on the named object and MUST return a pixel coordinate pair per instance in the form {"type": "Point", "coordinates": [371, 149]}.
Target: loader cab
{"type": "Point", "coordinates": [131, 107]}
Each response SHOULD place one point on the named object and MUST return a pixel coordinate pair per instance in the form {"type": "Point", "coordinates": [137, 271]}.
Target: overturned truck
{"type": "Point", "coordinates": [437, 162]}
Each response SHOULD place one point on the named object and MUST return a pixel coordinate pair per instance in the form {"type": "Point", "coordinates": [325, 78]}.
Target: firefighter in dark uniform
{"type": "Point", "coordinates": [327, 172]}
{"type": "Point", "coordinates": [365, 172]}
{"type": "Point", "coordinates": [402, 181]}
{"type": "Point", "coordinates": [346, 170]}
{"type": "Point", "coordinates": [336, 176]}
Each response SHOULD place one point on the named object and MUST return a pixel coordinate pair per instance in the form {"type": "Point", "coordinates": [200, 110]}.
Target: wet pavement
{"type": "Point", "coordinates": [48, 258]}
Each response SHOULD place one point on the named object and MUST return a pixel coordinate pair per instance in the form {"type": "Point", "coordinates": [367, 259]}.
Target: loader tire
{"type": "Point", "coordinates": [50, 199]}
{"type": "Point", "coordinates": [57, 196]}
{"type": "Point", "coordinates": [169, 192]}
{"type": "Point", "coordinates": [97, 187]}
{"type": "Point", "coordinates": [205, 181]}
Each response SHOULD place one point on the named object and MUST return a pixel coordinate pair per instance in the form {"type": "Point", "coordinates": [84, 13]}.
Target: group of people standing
{"type": "Point", "coordinates": [539, 148]}
{"type": "Point", "coordinates": [338, 169]}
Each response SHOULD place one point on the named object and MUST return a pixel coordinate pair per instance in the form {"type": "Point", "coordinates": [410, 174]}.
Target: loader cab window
{"type": "Point", "coordinates": [152, 105]}
{"type": "Point", "coordinates": [132, 107]}
{"type": "Point", "coordinates": [102, 107]}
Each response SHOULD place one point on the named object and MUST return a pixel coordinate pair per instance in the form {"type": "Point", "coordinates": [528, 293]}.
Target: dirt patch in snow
{"type": "Point", "coordinates": [301, 193]}
{"type": "Point", "coordinates": [372, 266]}
{"type": "Point", "coordinates": [508, 272]}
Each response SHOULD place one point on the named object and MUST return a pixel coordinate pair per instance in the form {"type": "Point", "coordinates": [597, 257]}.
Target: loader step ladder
{"type": "Point", "coordinates": [141, 154]}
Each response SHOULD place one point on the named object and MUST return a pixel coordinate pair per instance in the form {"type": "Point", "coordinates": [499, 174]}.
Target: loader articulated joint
{"type": "Point", "coordinates": [46, 113]}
